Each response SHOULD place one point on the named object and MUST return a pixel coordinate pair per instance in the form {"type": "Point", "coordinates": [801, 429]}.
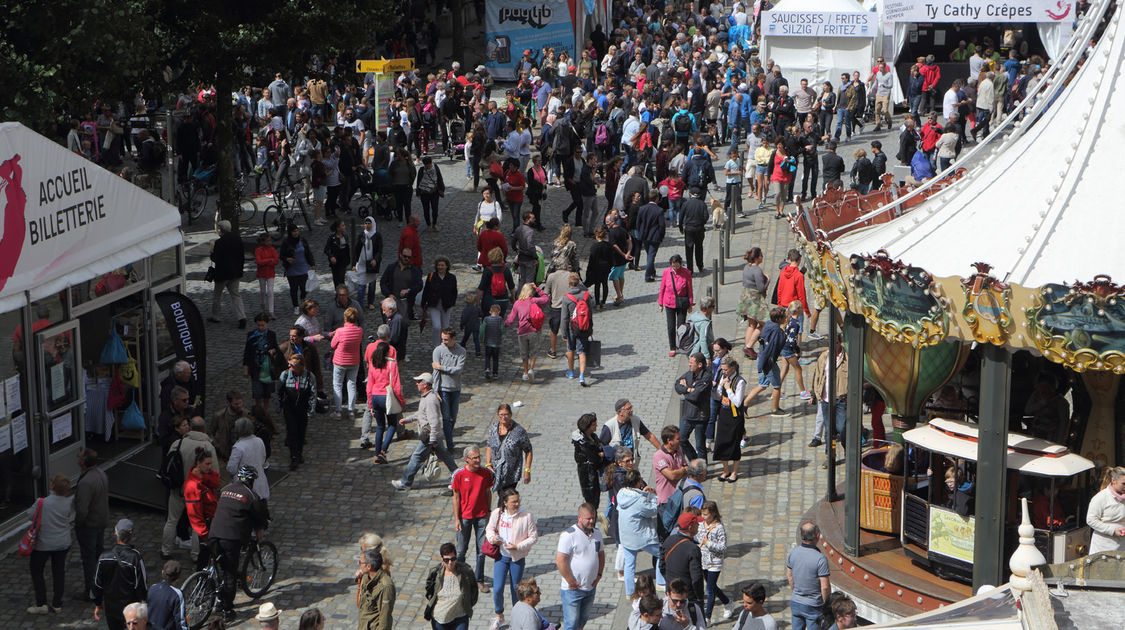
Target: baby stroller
{"type": "Point", "coordinates": [376, 197]}
{"type": "Point", "coordinates": [456, 139]}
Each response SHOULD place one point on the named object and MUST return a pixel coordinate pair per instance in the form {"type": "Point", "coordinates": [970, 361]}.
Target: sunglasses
{"type": "Point", "coordinates": [677, 602]}
{"type": "Point", "coordinates": [453, 559]}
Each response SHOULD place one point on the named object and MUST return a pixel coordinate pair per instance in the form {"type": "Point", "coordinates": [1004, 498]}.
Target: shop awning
{"type": "Point", "coordinates": [66, 220]}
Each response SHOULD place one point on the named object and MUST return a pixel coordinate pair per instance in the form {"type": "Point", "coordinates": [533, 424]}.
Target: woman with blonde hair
{"type": "Point", "coordinates": [565, 253]}
{"type": "Point", "coordinates": [1106, 514]}
{"type": "Point", "coordinates": [527, 314]}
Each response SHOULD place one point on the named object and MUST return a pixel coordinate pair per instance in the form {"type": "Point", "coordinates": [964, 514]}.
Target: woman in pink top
{"type": "Point", "coordinates": [675, 297]}
{"type": "Point", "coordinates": [345, 360]}
{"type": "Point", "coordinates": [529, 299]}
{"type": "Point", "coordinates": [382, 372]}
{"type": "Point", "coordinates": [512, 529]}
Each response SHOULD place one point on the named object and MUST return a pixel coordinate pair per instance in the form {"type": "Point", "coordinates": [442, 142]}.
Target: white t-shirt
{"type": "Point", "coordinates": [949, 105]}
{"type": "Point", "coordinates": [504, 530]}
{"type": "Point", "coordinates": [584, 552]}
{"type": "Point", "coordinates": [765, 622]}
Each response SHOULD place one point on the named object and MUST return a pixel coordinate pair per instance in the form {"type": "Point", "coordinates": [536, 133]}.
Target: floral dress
{"type": "Point", "coordinates": [508, 452]}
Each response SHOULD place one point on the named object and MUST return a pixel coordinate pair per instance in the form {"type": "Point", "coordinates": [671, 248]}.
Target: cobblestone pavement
{"type": "Point", "coordinates": [320, 511]}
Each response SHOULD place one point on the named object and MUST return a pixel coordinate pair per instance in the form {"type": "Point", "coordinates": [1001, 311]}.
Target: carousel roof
{"type": "Point", "coordinates": [1040, 209]}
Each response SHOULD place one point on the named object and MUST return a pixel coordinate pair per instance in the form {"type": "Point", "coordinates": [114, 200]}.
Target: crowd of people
{"type": "Point", "coordinates": [631, 131]}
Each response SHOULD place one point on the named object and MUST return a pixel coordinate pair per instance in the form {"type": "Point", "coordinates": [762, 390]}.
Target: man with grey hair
{"type": "Point", "coordinates": [472, 503]}
{"type": "Point", "coordinates": [429, 433]}
{"type": "Point", "coordinates": [181, 376]}
{"type": "Point", "coordinates": [691, 486]}
{"type": "Point", "coordinates": [228, 257]}
{"type": "Point", "coordinates": [806, 568]}
{"type": "Point", "coordinates": [136, 616]}
{"type": "Point", "coordinates": [120, 577]}
{"type": "Point", "coordinates": [704, 332]}
{"type": "Point", "coordinates": [397, 326]}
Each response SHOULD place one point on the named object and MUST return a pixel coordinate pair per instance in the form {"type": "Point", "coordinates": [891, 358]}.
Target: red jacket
{"type": "Point", "coordinates": [410, 239]}
{"type": "Point", "coordinates": [931, 132]}
{"type": "Point", "coordinates": [930, 76]}
{"type": "Point", "coordinates": [266, 257]}
{"type": "Point", "coordinates": [486, 241]}
{"type": "Point", "coordinates": [201, 497]}
{"type": "Point", "coordinates": [791, 286]}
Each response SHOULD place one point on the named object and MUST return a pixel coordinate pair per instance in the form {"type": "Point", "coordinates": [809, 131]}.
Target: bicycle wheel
{"type": "Point", "coordinates": [258, 570]}
{"type": "Point", "coordinates": [200, 592]}
{"type": "Point", "coordinates": [273, 222]}
{"type": "Point", "coordinates": [247, 210]}
{"type": "Point", "coordinates": [198, 201]}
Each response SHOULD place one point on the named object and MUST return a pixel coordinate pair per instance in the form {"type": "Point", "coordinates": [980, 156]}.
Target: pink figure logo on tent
{"type": "Point", "coordinates": [1064, 10]}
{"type": "Point", "coordinates": [15, 201]}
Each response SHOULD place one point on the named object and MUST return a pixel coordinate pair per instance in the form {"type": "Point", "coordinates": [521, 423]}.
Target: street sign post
{"type": "Point", "coordinates": [379, 67]}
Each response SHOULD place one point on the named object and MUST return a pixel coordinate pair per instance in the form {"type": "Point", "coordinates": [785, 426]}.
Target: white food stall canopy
{"type": "Point", "coordinates": [819, 39]}
{"type": "Point", "coordinates": [66, 220]}
{"type": "Point", "coordinates": [1045, 198]}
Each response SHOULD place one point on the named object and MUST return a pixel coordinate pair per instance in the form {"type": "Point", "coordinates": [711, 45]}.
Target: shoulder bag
{"type": "Point", "coordinates": [27, 543]}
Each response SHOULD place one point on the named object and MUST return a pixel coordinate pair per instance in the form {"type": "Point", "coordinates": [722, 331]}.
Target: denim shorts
{"type": "Point", "coordinates": [771, 378]}
{"type": "Point", "coordinates": [788, 353]}
{"type": "Point", "coordinates": [762, 169]}
{"type": "Point", "coordinates": [617, 273]}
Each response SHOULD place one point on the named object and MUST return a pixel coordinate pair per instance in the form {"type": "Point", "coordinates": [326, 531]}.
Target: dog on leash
{"type": "Point", "coordinates": [718, 215]}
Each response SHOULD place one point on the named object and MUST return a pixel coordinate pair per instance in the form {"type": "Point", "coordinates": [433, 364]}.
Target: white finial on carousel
{"type": "Point", "coordinates": [1026, 556]}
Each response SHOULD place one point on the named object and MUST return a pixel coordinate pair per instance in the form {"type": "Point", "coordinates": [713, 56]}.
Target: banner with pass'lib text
{"type": "Point", "coordinates": [512, 26]}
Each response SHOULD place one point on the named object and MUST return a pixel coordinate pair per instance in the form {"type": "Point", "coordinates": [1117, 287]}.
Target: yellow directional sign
{"type": "Point", "coordinates": [384, 66]}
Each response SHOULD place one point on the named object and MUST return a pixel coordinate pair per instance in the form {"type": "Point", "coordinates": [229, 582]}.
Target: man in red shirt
{"type": "Point", "coordinates": [472, 501]}
{"type": "Point", "coordinates": [409, 238]}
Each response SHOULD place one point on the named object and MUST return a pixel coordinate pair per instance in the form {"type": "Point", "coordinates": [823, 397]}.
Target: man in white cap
{"type": "Point", "coordinates": [429, 433]}
{"type": "Point", "coordinates": [268, 616]}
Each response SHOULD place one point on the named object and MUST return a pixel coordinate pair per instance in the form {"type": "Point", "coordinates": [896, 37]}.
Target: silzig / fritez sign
{"type": "Point", "coordinates": [818, 24]}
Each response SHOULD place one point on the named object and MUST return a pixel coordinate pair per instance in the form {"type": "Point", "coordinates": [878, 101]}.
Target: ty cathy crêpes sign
{"type": "Point", "coordinates": [818, 24]}
{"type": "Point", "coordinates": [979, 11]}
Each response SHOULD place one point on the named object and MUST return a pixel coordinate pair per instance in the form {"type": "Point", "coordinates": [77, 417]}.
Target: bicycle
{"type": "Point", "coordinates": [286, 207]}
{"type": "Point", "coordinates": [257, 571]}
{"type": "Point", "coordinates": [191, 195]}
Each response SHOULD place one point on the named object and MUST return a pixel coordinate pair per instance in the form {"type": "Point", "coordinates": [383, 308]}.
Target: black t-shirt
{"type": "Point", "coordinates": [619, 236]}
{"type": "Point", "coordinates": [238, 513]}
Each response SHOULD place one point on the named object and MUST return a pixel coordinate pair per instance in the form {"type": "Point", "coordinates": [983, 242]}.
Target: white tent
{"type": "Point", "coordinates": [820, 56]}
{"type": "Point", "coordinates": [66, 220]}
{"type": "Point", "coordinates": [1041, 209]}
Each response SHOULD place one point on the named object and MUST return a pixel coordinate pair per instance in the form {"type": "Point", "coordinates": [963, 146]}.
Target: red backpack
{"type": "Point", "coordinates": [498, 284]}
{"type": "Point", "coordinates": [535, 316]}
{"type": "Point", "coordinates": [580, 320]}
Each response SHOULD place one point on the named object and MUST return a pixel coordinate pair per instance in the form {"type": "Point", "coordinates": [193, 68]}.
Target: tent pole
{"type": "Point", "coordinates": [992, 469]}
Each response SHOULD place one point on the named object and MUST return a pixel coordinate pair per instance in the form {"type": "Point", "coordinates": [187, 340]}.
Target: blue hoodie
{"type": "Point", "coordinates": [636, 518]}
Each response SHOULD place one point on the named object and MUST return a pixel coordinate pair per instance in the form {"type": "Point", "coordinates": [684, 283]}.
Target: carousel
{"type": "Point", "coordinates": [961, 309]}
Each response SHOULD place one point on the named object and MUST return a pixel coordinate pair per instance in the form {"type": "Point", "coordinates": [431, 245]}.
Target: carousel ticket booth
{"type": "Point", "coordinates": [83, 256]}
{"type": "Point", "coordinates": [1002, 377]}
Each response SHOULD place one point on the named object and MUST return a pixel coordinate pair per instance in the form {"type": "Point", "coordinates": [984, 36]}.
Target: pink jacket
{"type": "Point", "coordinates": [345, 344]}
{"type": "Point", "coordinates": [523, 531]}
{"type": "Point", "coordinates": [377, 380]}
{"type": "Point", "coordinates": [521, 312]}
{"type": "Point", "coordinates": [667, 297]}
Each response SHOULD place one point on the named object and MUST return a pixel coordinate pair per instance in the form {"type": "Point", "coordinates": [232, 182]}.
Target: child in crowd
{"type": "Point", "coordinates": [772, 339]}
{"type": "Point", "coordinates": [470, 322]}
{"type": "Point", "coordinates": [645, 585]}
{"type": "Point", "coordinates": [492, 330]}
{"type": "Point", "coordinates": [791, 349]}
{"type": "Point", "coordinates": [675, 185]}
{"type": "Point", "coordinates": [266, 258]}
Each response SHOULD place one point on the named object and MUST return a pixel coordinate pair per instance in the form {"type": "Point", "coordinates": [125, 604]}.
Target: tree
{"type": "Point", "coordinates": [63, 55]}
{"type": "Point", "coordinates": [225, 44]}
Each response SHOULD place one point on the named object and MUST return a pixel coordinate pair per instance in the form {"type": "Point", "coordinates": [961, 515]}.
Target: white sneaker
{"type": "Point", "coordinates": [38, 610]}
{"type": "Point", "coordinates": [525, 376]}
{"type": "Point", "coordinates": [531, 375]}
{"type": "Point", "coordinates": [728, 612]}
{"type": "Point", "coordinates": [496, 622]}
{"type": "Point", "coordinates": [398, 485]}
{"type": "Point", "coordinates": [297, 310]}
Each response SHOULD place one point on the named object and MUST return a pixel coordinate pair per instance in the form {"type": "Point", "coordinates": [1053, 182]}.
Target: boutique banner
{"type": "Point", "coordinates": [185, 326]}
{"type": "Point", "coordinates": [65, 220]}
{"type": "Point", "coordinates": [818, 24]}
{"type": "Point", "coordinates": [979, 11]}
{"type": "Point", "coordinates": [513, 26]}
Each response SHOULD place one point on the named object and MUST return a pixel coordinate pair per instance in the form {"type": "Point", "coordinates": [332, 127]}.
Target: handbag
{"type": "Point", "coordinates": [311, 282]}
{"type": "Point", "coordinates": [682, 302]}
{"type": "Point", "coordinates": [209, 276]}
{"type": "Point", "coordinates": [432, 470]}
{"type": "Point", "coordinates": [392, 404]}
{"type": "Point", "coordinates": [489, 550]}
{"type": "Point", "coordinates": [114, 349]}
{"type": "Point", "coordinates": [27, 543]}
{"type": "Point", "coordinates": [130, 375]}
{"type": "Point", "coordinates": [133, 420]}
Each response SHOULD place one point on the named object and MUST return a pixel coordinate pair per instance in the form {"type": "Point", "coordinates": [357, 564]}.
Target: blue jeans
{"type": "Point", "coordinates": [344, 375]}
{"type": "Point", "coordinates": [843, 121]}
{"type": "Point", "coordinates": [468, 525]}
{"type": "Point", "coordinates": [505, 570]}
{"type": "Point", "coordinates": [631, 566]}
{"type": "Point", "coordinates": [650, 268]}
{"type": "Point", "coordinates": [363, 291]}
{"type": "Point", "coordinates": [711, 586]}
{"type": "Point", "coordinates": [674, 211]}
{"type": "Point", "coordinates": [687, 427]}
{"type": "Point", "coordinates": [514, 208]}
{"type": "Point", "coordinates": [804, 615]}
{"type": "Point", "coordinates": [460, 623]}
{"type": "Point", "coordinates": [450, 403]}
{"type": "Point", "coordinates": [576, 607]}
{"type": "Point", "coordinates": [715, 404]}
{"type": "Point", "coordinates": [418, 458]}
{"type": "Point", "coordinates": [734, 138]}
{"type": "Point", "coordinates": [630, 157]}
{"type": "Point", "coordinates": [822, 413]}
{"type": "Point", "coordinates": [384, 425]}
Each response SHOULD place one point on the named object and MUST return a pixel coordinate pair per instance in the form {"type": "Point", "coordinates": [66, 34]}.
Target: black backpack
{"type": "Point", "coordinates": [171, 472]}
{"type": "Point", "coordinates": [682, 124]}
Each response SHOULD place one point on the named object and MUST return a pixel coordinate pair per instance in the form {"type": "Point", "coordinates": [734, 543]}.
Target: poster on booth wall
{"type": "Point", "coordinates": [980, 11]}
{"type": "Point", "coordinates": [512, 26]}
